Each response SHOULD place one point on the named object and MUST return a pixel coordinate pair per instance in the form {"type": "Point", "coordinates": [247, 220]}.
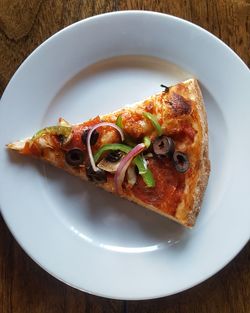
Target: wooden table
{"type": "Point", "coordinates": [24, 286]}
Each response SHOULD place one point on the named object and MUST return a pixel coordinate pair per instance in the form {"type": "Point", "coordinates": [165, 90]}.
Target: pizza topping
{"type": "Point", "coordinates": [149, 155]}
{"type": "Point", "coordinates": [64, 133]}
{"type": "Point", "coordinates": [124, 164]}
{"type": "Point", "coordinates": [166, 88]}
{"type": "Point", "coordinates": [63, 122]}
{"type": "Point", "coordinates": [94, 137]}
{"type": "Point", "coordinates": [74, 157]}
{"type": "Point", "coordinates": [147, 142]}
{"type": "Point", "coordinates": [181, 162]}
{"type": "Point", "coordinates": [61, 139]}
{"type": "Point", "coordinates": [154, 121]}
{"type": "Point", "coordinates": [128, 140]}
{"type": "Point", "coordinates": [131, 175]}
{"type": "Point", "coordinates": [114, 156]}
{"type": "Point", "coordinates": [111, 147]}
{"type": "Point", "coordinates": [183, 133]}
{"type": "Point", "coordinates": [141, 164]}
{"type": "Point", "coordinates": [103, 124]}
{"type": "Point", "coordinates": [108, 166]}
{"type": "Point", "coordinates": [119, 121]}
{"type": "Point", "coordinates": [179, 104]}
{"type": "Point", "coordinates": [164, 146]}
{"type": "Point", "coordinates": [139, 160]}
{"type": "Point", "coordinates": [148, 178]}
{"type": "Point", "coordinates": [98, 176]}
{"type": "Point", "coordinates": [169, 186]}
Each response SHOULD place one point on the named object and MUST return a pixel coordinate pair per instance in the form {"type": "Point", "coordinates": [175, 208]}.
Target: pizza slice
{"type": "Point", "coordinates": [154, 152]}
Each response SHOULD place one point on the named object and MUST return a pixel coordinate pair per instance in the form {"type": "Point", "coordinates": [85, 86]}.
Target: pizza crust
{"type": "Point", "coordinates": [204, 172]}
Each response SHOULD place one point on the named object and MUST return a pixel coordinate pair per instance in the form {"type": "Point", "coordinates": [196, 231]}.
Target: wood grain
{"type": "Point", "coordinates": [24, 286]}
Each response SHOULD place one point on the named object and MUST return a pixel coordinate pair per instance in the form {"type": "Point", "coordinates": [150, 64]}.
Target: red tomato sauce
{"type": "Point", "coordinates": [168, 190]}
{"type": "Point", "coordinates": [76, 141]}
{"type": "Point", "coordinates": [184, 132]}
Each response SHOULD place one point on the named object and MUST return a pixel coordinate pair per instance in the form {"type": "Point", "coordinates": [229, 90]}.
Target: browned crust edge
{"type": "Point", "coordinates": [205, 163]}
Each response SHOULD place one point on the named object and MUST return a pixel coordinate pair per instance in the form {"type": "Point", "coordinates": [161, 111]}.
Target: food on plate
{"type": "Point", "coordinates": [154, 152]}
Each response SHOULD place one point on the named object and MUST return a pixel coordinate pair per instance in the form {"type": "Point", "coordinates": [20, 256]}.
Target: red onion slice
{"type": "Point", "coordinates": [124, 164]}
{"type": "Point", "coordinates": [95, 168]}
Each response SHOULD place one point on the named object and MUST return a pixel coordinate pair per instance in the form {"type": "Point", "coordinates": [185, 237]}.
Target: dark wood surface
{"type": "Point", "coordinates": [24, 286]}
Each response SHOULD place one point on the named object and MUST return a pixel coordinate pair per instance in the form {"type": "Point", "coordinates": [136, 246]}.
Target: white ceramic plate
{"type": "Point", "coordinates": [90, 239]}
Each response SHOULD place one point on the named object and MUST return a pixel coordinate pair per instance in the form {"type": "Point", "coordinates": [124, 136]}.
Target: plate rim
{"type": "Point", "coordinates": [122, 12]}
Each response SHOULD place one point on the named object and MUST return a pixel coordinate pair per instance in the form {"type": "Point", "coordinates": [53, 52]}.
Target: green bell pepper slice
{"type": "Point", "coordinates": [54, 130]}
{"type": "Point", "coordinates": [148, 178]}
{"type": "Point", "coordinates": [124, 148]}
{"type": "Point", "coordinates": [147, 141]}
{"type": "Point", "coordinates": [139, 161]}
{"type": "Point", "coordinates": [128, 140]}
{"type": "Point", "coordinates": [154, 121]}
{"type": "Point", "coordinates": [112, 147]}
{"type": "Point", "coordinates": [119, 121]}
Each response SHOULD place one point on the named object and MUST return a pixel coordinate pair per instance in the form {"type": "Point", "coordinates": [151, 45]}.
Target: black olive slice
{"type": "Point", "coordinates": [74, 157]}
{"type": "Point", "coordinates": [93, 139]}
{"type": "Point", "coordinates": [114, 156]}
{"type": "Point", "coordinates": [181, 162]}
{"type": "Point", "coordinates": [98, 177]}
{"type": "Point", "coordinates": [163, 146]}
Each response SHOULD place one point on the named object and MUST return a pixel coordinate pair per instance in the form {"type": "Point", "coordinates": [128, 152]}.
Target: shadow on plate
{"type": "Point", "coordinates": [117, 221]}
{"type": "Point", "coordinates": [101, 215]}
